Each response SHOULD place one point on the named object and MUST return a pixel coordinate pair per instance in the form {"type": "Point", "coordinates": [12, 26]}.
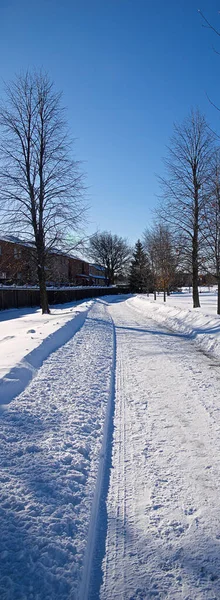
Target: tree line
{"type": "Point", "coordinates": [185, 238]}
{"type": "Point", "coordinates": [189, 206]}
{"type": "Point", "coordinates": [184, 241]}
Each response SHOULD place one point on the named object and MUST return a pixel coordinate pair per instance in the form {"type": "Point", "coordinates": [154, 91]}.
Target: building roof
{"type": "Point", "coordinates": [98, 267]}
{"type": "Point", "coordinates": [15, 240]}
{"type": "Point", "coordinates": [97, 276]}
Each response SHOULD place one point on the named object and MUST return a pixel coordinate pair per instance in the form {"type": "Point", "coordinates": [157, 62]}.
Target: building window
{"type": "Point", "coordinates": [0, 250]}
{"type": "Point", "coordinates": [83, 268]}
{"type": "Point", "coordinates": [17, 252]}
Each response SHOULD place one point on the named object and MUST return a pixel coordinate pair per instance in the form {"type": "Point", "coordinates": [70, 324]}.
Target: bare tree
{"type": "Point", "coordinates": [163, 256]}
{"type": "Point", "coordinates": [188, 169]}
{"type": "Point", "coordinates": [211, 227]}
{"type": "Point", "coordinates": [111, 252]}
{"type": "Point", "coordinates": [208, 24]}
{"type": "Point", "coordinates": [41, 187]}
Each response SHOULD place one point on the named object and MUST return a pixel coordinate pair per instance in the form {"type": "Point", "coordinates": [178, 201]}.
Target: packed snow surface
{"type": "Point", "coordinates": [110, 477]}
{"type": "Point", "coordinates": [163, 526]}
{"type": "Point", "coordinates": [51, 438]}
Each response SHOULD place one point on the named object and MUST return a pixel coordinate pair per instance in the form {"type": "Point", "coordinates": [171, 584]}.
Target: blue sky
{"type": "Point", "coordinates": [128, 69]}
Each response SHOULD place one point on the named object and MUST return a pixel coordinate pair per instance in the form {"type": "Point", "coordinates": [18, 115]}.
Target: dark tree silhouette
{"type": "Point", "coordinates": [140, 279]}
{"type": "Point", "coordinates": [111, 252]}
{"type": "Point", "coordinates": [188, 166]}
{"type": "Point", "coordinates": [41, 188]}
{"type": "Point", "coordinates": [211, 227]}
{"type": "Point", "coordinates": [163, 253]}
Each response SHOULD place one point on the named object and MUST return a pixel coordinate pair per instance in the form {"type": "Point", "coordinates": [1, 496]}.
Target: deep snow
{"type": "Point", "coordinates": [201, 325]}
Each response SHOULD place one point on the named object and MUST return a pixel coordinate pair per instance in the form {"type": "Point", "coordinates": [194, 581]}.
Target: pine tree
{"type": "Point", "coordinates": [140, 274]}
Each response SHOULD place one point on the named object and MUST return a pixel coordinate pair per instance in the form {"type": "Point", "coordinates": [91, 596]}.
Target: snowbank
{"type": "Point", "coordinates": [27, 338]}
{"type": "Point", "coordinates": [194, 324]}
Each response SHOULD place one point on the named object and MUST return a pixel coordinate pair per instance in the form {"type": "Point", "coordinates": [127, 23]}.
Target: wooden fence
{"type": "Point", "coordinates": [21, 297]}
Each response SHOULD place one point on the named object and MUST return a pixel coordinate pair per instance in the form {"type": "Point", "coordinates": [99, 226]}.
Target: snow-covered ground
{"type": "Point", "coordinates": [201, 324]}
{"type": "Point", "coordinates": [163, 504]}
{"type": "Point", "coordinates": [27, 338]}
{"type": "Point", "coordinates": [109, 469]}
{"type": "Point", "coordinates": [51, 442]}
{"type": "Point", "coordinates": [183, 299]}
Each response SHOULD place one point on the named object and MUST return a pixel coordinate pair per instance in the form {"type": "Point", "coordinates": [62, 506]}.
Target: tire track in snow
{"type": "Point", "coordinates": [121, 522]}
{"type": "Point", "coordinates": [117, 521]}
{"type": "Point", "coordinates": [92, 573]}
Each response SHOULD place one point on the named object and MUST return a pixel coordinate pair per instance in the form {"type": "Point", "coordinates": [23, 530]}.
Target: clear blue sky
{"type": "Point", "coordinates": [128, 69]}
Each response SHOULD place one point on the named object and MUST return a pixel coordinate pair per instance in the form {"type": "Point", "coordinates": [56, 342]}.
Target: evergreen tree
{"type": "Point", "coordinates": [140, 273]}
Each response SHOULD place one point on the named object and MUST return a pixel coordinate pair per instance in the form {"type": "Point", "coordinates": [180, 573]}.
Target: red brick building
{"type": "Point", "coordinates": [97, 274]}
{"type": "Point", "coordinates": [57, 269]}
{"type": "Point", "coordinates": [18, 265]}
{"type": "Point", "coordinates": [78, 271]}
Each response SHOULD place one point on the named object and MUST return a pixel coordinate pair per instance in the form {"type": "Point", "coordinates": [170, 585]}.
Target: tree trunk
{"type": "Point", "coordinates": [196, 303]}
{"type": "Point", "coordinates": [155, 295]}
{"type": "Point", "coordinates": [195, 269]}
{"type": "Point", "coordinates": [164, 295]}
{"type": "Point", "coordinates": [195, 289]}
{"type": "Point", "coordinates": [110, 277]}
{"type": "Point", "coordinates": [43, 291]}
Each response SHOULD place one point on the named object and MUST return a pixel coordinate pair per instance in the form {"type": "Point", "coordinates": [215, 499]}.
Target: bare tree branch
{"type": "Point", "coordinates": [184, 187]}
{"type": "Point", "coordinates": [41, 186]}
{"type": "Point", "coordinates": [110, 251]}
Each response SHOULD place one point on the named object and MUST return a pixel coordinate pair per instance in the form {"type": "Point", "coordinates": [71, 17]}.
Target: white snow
{"type": "Point", "coordinates": [27, 338]}
{"type": "Point", "coordinates": [94, 508]}
{"type": "Point", "coordinates": [51, 438]}
{"type": "Point", "coordinates": [163, 504]}
{"type": "Point", "coordinates": [183, 299]}
{"type": "Point", "coordinates": [201, 324]}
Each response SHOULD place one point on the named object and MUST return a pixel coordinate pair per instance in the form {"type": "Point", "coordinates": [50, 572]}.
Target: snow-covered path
{"type": "Point", "coordinates": [156, 464]}
{"type": "Point", "coordinates": [51, 438]}
{"type": "Point", "coordinates": [163, 505]}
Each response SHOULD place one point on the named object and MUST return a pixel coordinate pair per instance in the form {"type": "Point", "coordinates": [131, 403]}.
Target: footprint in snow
{"type": "Point", "coordinates": [7, 337]}
{"type": "Point", "coordinates": [31, 331]}
{"type": "Point", "coordinates": [190, 510]}
{"type": "Point", "coordinates": [157, 506]}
